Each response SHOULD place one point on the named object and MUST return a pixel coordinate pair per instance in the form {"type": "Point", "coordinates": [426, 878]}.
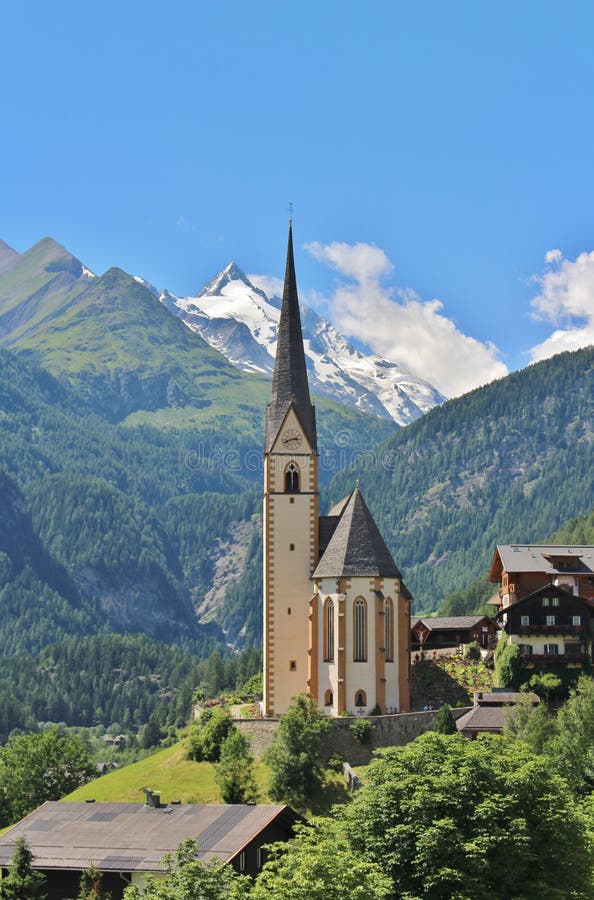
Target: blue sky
{"type": "Point", "coordinates": [435, 153]}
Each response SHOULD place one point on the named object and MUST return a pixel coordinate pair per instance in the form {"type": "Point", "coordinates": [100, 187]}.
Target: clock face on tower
{"type": "Point", "coordinates": [291, 439]}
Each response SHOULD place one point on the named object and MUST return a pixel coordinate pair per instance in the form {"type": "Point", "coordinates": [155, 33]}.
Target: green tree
{"type": "Point", "coordinates": [294, 756]}
{"type": "Point", "coordinates": [508, 664]}
{"type": "Point", "coordinates": [234, 772]}
{"type": "Point", "coordinates": [447, 817]}
{"type": "Point", "coordinates": [545, 684]}
{"type": "Point", "coordinates": [39, 767]}
{"type": "Point", "coordinates": [91, 885]}
{"type": "Point", "coordinates": [571, 751]}
{"type": "Point", "coordinates": [22, 881]}
{"type": "Point", "coordinates": [207, 735]}
{"type": "Point", "coordinates": [444, 720]}
{"type": "Point", "coordinates": [533, 725]}
{"type": "Point", "coordinates": [190, 879]}
{"type": "Point", "coordinates": [151, 733]}
{"type": "Point", "coordinates": [319, 865]}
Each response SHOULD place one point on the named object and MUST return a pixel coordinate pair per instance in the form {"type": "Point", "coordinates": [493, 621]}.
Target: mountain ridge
{"type": "Point", "coordinates": [241, 321]}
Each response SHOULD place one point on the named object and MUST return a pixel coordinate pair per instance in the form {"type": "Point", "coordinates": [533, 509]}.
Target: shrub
{"type": "Point", "coordinates": [206, 736]}
{"type": "Point", "coordinates": [473, 652]}
{"type": "Point", "coordinates": [361, 730]}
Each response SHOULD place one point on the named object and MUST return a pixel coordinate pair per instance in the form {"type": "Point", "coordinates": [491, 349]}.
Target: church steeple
{"type": "Point", "coordinates": [289, 384]}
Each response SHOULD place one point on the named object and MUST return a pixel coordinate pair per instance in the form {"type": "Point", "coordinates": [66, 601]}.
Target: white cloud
{"type": "Point", "coordinates": [566, 300]}
{"type": "Point", "coordinates": [400, 326]}
{"type": "Point", "coordinates": [270, 284]}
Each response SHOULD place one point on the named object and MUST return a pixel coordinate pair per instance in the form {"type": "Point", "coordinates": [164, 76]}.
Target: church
{"type": "Point", "coordinates": [336, 611]}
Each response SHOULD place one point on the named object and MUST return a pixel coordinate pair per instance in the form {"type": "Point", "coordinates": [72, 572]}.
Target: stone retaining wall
{"type": "Point", "coordinates": [389, 731]}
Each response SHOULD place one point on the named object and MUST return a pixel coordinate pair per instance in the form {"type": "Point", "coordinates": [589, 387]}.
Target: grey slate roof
{"type": "Point", "coordinates": [356, 547]}
{"type": "Point", "coordinates": [537, 557]}
{"type": "Point", "coordinates": [133, 836]}
{"type": "Point", "coordinates": [482, 718]}
{"type": "Point", "coordinates": [449, 623]}
{"type": "Point", "coordinates": [289, 382]}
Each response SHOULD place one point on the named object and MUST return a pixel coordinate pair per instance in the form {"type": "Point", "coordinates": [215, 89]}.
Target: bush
{"type": "Point", "coordinates": [207, 735]}
{"type": "Point", "coordinates": [473, 652]}
{"type": "Point", "coordinates": [361, 730]}
{"type": "Point", "coordinates": [444, 721]}
{"type": "Point", "coordinates": [336, 762]}
{"type": "Point", "coordinates": [507, 664]}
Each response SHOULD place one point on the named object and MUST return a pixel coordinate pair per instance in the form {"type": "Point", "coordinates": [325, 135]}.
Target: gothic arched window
{"type": "Point", "coordinates": [292, 479]}
{"type": "Point", "coordinates": [360, 630]}
{"type": "Point", "coordinates": [328, 630]}
{"type": "Point", "coordinates": [389, 626]}
{"type": "Point", "coordinates": [360, 698]}
{"type": "Point", "coordinates": [328, 698]}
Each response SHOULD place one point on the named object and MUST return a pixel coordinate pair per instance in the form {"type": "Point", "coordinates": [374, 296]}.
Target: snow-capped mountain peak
{"type": "Point", "coordinates": [241, 321]}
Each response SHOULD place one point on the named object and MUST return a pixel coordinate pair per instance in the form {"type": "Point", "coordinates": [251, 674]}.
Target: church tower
{"type": "Point", "coordinates": [336, 611]}
{"type": "Point", "coordinates": [290, 510]}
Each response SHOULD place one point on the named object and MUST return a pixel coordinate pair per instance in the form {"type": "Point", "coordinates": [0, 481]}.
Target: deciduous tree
{"type": "Point", "coordinates": [294, 756]}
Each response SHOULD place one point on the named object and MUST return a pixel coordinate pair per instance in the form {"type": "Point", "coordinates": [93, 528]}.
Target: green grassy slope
{"type": "Point", "coordinates": [167, 771]}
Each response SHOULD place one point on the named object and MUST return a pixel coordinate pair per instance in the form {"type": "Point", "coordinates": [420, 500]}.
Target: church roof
{"type": "Point", "coordinates": [289, 382]}
{"type": "Point", "coordinates": [356, 547]}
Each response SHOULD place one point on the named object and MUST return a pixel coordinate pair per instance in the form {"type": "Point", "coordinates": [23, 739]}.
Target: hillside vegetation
{"type": "Point", "coordinates": [509, 462]}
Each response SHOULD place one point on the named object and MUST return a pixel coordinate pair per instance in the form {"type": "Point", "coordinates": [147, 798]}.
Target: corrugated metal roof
{"type": "Point", "coordinates": [135, 837]}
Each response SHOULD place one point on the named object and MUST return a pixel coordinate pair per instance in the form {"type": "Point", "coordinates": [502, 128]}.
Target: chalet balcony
{"type": "Point", "coordinates": [580, 658]}
{"type": "Point", "coordinates": [572, 630]}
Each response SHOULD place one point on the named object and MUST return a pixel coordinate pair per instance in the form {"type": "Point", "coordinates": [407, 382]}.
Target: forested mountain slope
{"type": "Point", "coordinates": [508, 462]}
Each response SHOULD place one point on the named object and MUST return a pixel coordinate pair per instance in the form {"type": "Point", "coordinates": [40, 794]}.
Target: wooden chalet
{"type": "Point", "coordinates": [443, 632]}
{"type": "Point", "coordinates": [545, 601]}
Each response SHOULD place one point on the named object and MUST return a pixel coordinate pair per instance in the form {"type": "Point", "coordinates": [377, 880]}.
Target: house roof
{"type": "Point", "coordinates": [542, 558]}
{"type": "Point", "coordinates": [135, 837]}
{"type": "Point", "coordinates": [505, 698]}
{"type": "Point", "coordinates": [290, 386]}
{"type": "Point", "coordinates": [356, 547]}
{"type": "Point", "coordinates": [482, 718]}
{"type": "Point", "coordinates": [450, 623]}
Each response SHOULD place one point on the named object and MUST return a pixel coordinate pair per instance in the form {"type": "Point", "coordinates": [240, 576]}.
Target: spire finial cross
{"type": "Point", "coordinates": [291, 210]}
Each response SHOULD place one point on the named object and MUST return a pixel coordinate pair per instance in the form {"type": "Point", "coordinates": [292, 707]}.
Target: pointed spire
{"type": "Point", "coordinates": [289, 384]}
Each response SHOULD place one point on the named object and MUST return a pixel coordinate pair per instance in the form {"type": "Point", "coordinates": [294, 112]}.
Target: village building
{"type": "Point", "coordinates": [336, 611]}
{"type": "Point", "coordinates": [488, 713]}
{"type": "Point", "coordinates": [126, 842]}
{"type": "Point", "coordinates": [446, 633]}
{"type": "Point", "coordinates": [545, 601]}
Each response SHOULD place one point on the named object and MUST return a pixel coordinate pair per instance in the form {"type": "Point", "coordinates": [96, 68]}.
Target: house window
{"type": "Point", "coordinates": [551, 620]}
{"type": "Point", "coordinates": [328, 630]}
{"type": "Point", "coordinates": [292, 665]}
{"type": "Point", "coordinates": [546, 601]}
{"type": "Point", "coordinates": [259, 857]}
{"type": "Point", "coordinates": [328, 698]}
{"type": "Point", "coordinates": [291, 546]}
{"type": "Point", "coordinates": [524, 620]}
{"type": "Point", "coordinates": [576, 620]}
{"type": "Point", "coordinates": [526, 649]}
{"type": "Point", "coordinates": [555, 601]}
{"type": "Point", "coordinates": [360, 698]}
{"type": "Point", "coordinates": [389, 627]}
{"type": "Point", "coordinates": [242, 861]}
{"type": "Point", "coordinates": [292, 479]}
{"type": "Point", "coordinates": [360, 622]}
{"type": "Point", "coordinates": [551, 649]}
